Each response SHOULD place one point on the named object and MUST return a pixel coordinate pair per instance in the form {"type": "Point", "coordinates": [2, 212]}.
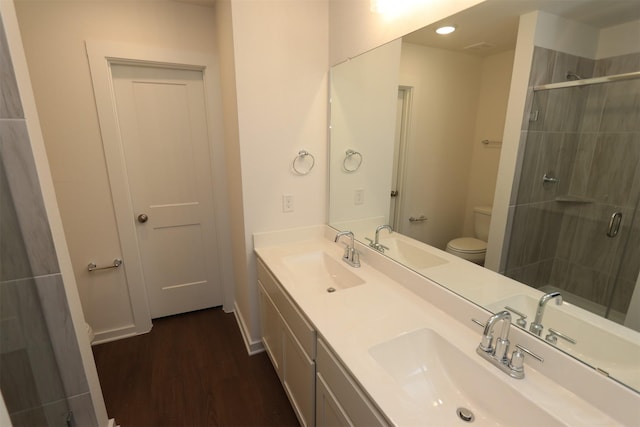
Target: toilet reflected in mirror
{"type": "Point", "coordinates": [474, 249]}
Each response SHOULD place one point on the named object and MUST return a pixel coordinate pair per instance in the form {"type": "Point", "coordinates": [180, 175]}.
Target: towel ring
{"type": "Point", "coordinates": [350, 156]}
{"type": "Point", "coordinates": [302, 154]}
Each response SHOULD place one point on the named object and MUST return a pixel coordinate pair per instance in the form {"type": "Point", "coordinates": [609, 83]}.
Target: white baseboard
{"type": "Point", "coordinates": [116, 334]}
{"type": "Point", "coordinates": [253, 346]}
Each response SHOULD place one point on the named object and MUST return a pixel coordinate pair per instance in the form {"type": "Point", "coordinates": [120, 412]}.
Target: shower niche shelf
{"type": "Point", "coordinates": [573, 199]}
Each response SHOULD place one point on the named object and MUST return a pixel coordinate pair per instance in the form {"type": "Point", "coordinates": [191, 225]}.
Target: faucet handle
{"type": "Point", "coordinates": [553, 336]}
{"type": "Point", "coordinates": [486, 343]}
{"type": "Point", "coordinates": [355, 257]}
{"type": "Point", "coordinates": [517, 360]}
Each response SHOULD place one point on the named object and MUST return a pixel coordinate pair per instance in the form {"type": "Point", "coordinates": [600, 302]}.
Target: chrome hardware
{"type": "Point", "coordinates": [536, 326]}
{"type": "Point", "coordinates": [375, 244]}
{"type": "Point", "coordinates": [303, 154]}
{"type": "Point", "coordinates": [553, 336]}
{"type": "Point", "coordinates": [530, 353]}
{"type": "Point", "coordinates": [548, 178]}
{"type": "Point", "coordinates": [142, 218]}
{"type": "Point", "coordinates": [516, 364]}
{"type": "Point", "coordinates": [351, 255]}
{"type": "Point", "coordinates": [419, 219]}
{"type": "Point", "coordinates": [614, 224]}
{"type": "Point", "coordinates": [497, 354]}
{"type": "Point", "coordinates": [350, 155]}
{"type": "Point", "coordinates": [522, 321]}
{"type": "Point", "coordinates": [488, 142]}
{"type": "Point", "coordinates": [93, 267]}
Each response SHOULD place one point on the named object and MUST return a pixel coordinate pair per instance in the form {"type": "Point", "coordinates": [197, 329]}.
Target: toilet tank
{"type": "Point", "coordinates": [481, 221]}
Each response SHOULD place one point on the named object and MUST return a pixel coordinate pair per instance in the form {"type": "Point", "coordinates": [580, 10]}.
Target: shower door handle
{"type": "Point", "coordinates": [614, 224]}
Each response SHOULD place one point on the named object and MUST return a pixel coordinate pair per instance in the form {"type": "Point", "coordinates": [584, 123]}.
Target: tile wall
{"type": "Point", "coordinates": [588, 138]}
{"type": "Point", "coordinates": [41, 374]}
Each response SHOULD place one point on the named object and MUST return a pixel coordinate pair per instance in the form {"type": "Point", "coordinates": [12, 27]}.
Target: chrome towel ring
{"type": "Point", "coordinates": [352, 161]}
{"type": "Point", "coordinates": [300, 165]}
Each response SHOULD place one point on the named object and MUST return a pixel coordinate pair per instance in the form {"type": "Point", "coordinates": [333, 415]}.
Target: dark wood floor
{"type": "Point", "coordinates": [190, 370]}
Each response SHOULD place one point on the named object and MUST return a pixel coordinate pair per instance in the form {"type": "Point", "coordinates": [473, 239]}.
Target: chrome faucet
{"type": "Point", "coordinates": [351, 255]}
{"type": "Point", "coordinates": [536, 326]}
{"type": "Point", "coordinates": [497, 354]}
{"type": "Point", "coordinates": [375, 244]}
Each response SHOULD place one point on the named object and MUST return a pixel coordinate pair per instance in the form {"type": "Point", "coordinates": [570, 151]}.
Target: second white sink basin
{"type": "Point", "coordinates": [321, 271]}
{"type": "Point", "coordinates": [440, 378]}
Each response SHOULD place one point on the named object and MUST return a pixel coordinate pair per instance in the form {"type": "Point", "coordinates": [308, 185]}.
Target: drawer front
{"type": "Point", "coordinates": [329, 413]}
{"type": "Point", "coordinates": [355, 404]}
{"type": "Point", "coordinates": [299, 379]}
{"type": "Point", "coordinates": [296, 321]}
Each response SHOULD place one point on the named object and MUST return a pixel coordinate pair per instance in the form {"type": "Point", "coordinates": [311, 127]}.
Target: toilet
{"type": "Point", "coordinates": [474, 249]}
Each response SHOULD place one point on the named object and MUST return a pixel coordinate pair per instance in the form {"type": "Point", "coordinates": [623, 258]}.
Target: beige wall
{"type": "Point", "coordinates": [54, 35]}
{"type": "Point", "coordinates": [445, 87]}
{"type": "Point", "coordinates": [490, 116]}
{"type": "Point", "coordinates": [280, 54]}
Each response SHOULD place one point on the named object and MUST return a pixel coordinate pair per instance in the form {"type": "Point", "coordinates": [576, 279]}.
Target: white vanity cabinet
{"type": "Point", "coordinates": [290, 342]}
{"type": "Point", "coordinates": [339, 400]}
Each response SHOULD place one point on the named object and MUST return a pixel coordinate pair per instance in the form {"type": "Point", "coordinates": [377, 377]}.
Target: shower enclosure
{"type": "Point", "coordinates": [29, 377]}
{"type": "Point", "coordinates": [575, 225]}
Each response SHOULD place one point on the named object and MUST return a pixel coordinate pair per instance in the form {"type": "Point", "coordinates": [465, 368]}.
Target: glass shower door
{"type": "Point", "coordinates": [30, 381]}
{"type": "Point", "coordinates": [575, 224]}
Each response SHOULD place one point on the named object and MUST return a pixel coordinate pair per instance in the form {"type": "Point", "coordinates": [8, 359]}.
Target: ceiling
{"type": "Point", "coordinates": [492, 26]}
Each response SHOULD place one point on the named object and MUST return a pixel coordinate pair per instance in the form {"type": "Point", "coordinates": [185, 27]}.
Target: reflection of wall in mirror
{"type": "Point", "coordinates": [363, 93]}
{"type": "Point", "coordinates": [458, 99]}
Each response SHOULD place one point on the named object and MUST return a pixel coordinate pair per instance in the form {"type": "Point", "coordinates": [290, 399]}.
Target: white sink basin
{"type": "Point", "coordinates": [436, 375]}
{"type": "Point", "coordinates": [321, 271]}
{"type": "Point", "coordinates": [411, 255]}
{"type": "Point", "coordinates": [597, 342]}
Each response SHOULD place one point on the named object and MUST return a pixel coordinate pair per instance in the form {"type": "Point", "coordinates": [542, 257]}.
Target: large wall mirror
{"type": "Point", "coordinates": [417, 140]}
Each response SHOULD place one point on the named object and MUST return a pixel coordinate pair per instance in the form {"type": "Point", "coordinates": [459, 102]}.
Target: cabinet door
{"type": "Point", "coordinates": [355, 405]}
{"type": "Point", "coordinates": [271, 331]}
{"type": "Point", "coordinates": [329, 413]}
{"type": "Point", "coordinates": [299, 378]}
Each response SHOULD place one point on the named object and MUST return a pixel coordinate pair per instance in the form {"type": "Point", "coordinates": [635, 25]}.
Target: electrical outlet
{"type": "Point", "coordinates": [358, 197]}
{"type": "Point", "coordinates": [287, 203]}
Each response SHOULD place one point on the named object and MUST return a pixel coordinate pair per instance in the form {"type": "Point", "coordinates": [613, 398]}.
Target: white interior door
{"type": "Point", "coordinates": [162, 124]}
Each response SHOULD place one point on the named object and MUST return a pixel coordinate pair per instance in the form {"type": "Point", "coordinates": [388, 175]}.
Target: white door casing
{"type": "Point", "coordinates": [163, 129]}
{"type": "Point", "coordinates": [102, 57]}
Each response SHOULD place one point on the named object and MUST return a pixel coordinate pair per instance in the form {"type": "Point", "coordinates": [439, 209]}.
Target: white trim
{"type": "Point", "coordinates": [101, 56]}
{"type": "Point", "coordinates": [253, 346]}
{"type": "Point", "coordinates": [116, 334]}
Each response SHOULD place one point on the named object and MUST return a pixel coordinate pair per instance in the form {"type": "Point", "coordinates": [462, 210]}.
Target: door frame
{"type": "Point", "coordinates": [101, 56]}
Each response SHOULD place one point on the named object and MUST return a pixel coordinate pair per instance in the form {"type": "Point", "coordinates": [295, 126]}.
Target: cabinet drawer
{"type": "Point", "coordinates": [296, 321]}
{"type": "Point", "coordinates": [351, 399]}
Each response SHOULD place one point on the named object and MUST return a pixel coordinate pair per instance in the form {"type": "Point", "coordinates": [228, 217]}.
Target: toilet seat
{"type": "Point", "coordinates": [467, 245]}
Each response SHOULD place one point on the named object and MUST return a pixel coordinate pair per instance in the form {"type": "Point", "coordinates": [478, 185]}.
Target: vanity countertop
{"type": "Point", "coordinates": [358, 318]}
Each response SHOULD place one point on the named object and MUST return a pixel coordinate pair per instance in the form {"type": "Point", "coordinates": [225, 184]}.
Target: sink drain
{"type": "Point", "coordinates": [465, 415]}
{"type": "Point", "coordinates": [331, 290]}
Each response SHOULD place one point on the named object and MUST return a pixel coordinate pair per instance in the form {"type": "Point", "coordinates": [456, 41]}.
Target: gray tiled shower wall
{"type": "Point", "coordinates": [589, 139]}
{"type": "Point", "coordinates": [41, 374]}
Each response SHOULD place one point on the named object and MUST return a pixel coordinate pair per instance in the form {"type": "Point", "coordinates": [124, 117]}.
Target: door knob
{"type": "Point", "coordinates": [142, 218]}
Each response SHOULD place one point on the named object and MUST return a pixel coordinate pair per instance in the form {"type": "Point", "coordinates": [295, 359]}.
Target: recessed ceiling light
{"type": "Point", "coordinates": [446, 30]}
